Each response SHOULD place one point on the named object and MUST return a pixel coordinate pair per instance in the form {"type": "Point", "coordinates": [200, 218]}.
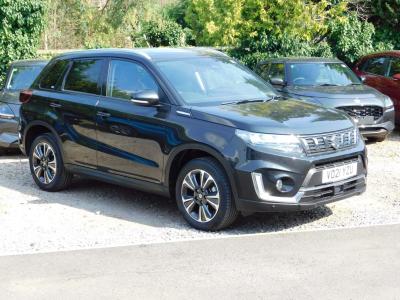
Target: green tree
{"type": "Point", "coordinates": [22, 22]}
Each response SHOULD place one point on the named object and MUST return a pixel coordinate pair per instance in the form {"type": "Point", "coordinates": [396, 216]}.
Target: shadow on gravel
{"type": "Point", "coordinates": [135, 206]}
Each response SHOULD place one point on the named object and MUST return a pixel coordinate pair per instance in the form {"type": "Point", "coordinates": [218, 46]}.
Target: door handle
{"type": "Point", "coordinates": [103, 114]}
{"type": "Point", "coordinates": [55, 105]}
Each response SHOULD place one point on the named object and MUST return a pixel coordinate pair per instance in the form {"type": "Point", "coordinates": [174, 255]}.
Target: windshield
{"type": "Point", "coordinates": [214, 80]}
{"type": "Point", "coordinates": [321, 74]}
{"type": "Point", "coordinates": [23, 77]}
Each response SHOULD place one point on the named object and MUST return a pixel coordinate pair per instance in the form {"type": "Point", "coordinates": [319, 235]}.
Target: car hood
{"type": "Point", "coordinates": [279, 117]}
{"type": "Point", "coordinates": [335, 96]}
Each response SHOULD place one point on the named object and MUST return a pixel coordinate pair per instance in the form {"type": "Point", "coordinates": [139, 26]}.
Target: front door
{"type": "Point", "coordinates": [393, 86]}
{"type": "Point", "coordinates": [130, 137]}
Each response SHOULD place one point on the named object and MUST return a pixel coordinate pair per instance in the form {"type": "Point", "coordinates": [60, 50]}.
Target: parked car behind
{"type": "Point", "coordinates": [20, 76]}
{"type": "Point", "coordinates": [191, 124]}
{"type": "Point", "coordinates": [329, 82]}
{"type": "Point", "coordinates": [382, 71]}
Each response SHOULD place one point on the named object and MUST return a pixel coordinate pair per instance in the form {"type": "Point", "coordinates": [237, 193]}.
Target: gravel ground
{"type": "Point", "coordinates": [92, 214]}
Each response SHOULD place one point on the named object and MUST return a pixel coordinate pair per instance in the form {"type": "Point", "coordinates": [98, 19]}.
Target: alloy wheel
{"type": "Point", "coordinates": [44, 162]}
{"type": "Point", "coordinates": [200, 195]}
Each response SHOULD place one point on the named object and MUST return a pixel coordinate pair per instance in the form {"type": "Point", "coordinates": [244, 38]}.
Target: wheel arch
{"type": "Point", "coordinates": [183, 154]}
{"type": "Point", "coordinates": [36, 128]}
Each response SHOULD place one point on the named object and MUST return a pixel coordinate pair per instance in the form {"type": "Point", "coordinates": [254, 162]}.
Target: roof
{"type": "Point", "coordinates": [30, 62]}
{"type": "Point", "coordinates": [384, 53]}
{"type": "Point", "coordinates": [302, 60]}
{"type": "Point", "coordinates": [152, 54]}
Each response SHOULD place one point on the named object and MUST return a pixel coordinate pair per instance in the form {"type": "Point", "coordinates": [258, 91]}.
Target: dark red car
{"type": "Point", "coordinates": [382, 71]}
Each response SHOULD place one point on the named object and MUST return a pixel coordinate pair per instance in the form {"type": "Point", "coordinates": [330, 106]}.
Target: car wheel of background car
{"type": "Point", "coordinates": [46, 164]}
{"type": "Point", "coordinates": [204, 195]}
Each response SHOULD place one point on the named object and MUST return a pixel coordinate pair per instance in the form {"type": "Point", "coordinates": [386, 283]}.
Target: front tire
{"type": "Point", "coordinates": [204, 195]}
{"type": "Point", "coordinates": [46, 164]}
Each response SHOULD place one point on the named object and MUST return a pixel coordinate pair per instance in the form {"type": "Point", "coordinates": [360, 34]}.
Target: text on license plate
{"type": "Point", "coordinates": [339, 173]}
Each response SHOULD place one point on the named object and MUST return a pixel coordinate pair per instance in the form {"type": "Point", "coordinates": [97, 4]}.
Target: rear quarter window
{"type": "Point", "coordinates": [52, 74]}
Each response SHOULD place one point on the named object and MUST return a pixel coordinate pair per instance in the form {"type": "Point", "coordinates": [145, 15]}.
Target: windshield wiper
{"type": "Point", "coordinates": [251, 100]}
{"type": "Point", "coordinates": [328, 84]}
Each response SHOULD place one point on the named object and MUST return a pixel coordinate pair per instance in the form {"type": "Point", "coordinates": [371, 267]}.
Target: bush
{"type": "Point", "coordinates": [163, 33]}
{"type": "Point", "coordinates": [22, 22]}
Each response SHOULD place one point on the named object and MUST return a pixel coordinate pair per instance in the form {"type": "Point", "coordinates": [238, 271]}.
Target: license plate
{"type": "Point", "coordinates": [339, 173]}
{"type": "Point", "coordinates": [366, 120]}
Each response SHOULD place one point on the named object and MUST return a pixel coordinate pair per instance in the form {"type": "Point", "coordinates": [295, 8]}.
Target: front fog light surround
{"type": "Point", "coordinates": [286, 143]}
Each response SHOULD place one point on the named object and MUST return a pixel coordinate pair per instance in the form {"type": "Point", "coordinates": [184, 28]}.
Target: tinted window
{"type": "Point", "coordinates": [213, 80]}
{"type": "Point", "coordinates": [21, 77]}
{"type": "Point", "coordinates": [126, 78]}
{"type": "Point", "coordinates": [321, 74]}
{"type": "Point", "coordinates": [84, 76]}
{"type": "Point", "coordinates": [375, 66]}
{"type": "Point", "coordinates": [394, 66]}
{"type": "Point", "coordinates": [52, 74]}
{"type": "Point", "coordinates": [277, 71]}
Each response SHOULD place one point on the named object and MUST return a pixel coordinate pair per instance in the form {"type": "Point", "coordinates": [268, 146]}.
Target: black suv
{"type": "Point", "coordinates": [20, 76]}
{"type": "Point", "coordinates": [188, 123]}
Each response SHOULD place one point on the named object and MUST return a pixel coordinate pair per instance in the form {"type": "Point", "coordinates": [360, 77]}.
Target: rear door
{"type": "Point", "coordinates": [130, 136]}
{"type": "Point", "coordinates": [76, 107]}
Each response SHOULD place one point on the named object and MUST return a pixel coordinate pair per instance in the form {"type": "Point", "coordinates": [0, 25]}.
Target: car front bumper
{"type": "Point", "coordinates": [8, 133]}
{"type": "Point", "coordinates": [256, 181]}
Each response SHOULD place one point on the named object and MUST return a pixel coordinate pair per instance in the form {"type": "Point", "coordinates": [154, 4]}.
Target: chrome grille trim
{"type": "Point", "coordinates": [330, 142]}
{"type": "Point", "coordinates": [363, 111]}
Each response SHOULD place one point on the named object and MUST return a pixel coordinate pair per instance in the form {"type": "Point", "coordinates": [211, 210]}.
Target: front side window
{"type": "Point", "coordinates": [394, 67]}
{"type": "Point", "coordinates": [21, 77]}
{"type": "Point", "coordinates": [207, 80]}
{"type": "Point", "coordinates": [126, 78]}
{"type": "Point", "coordinates": [312, 74]}
{"type": "Point", "coordinates": [84, 76]}
{"type": "Point", "coordinates": [375, 66]}
{"type": "Point", "coordinates": [277, 71]}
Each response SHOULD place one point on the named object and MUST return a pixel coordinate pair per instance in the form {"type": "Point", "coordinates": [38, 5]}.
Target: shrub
{"type": "Point", "coordinates": [22, 22]}
{"type": "Point", "coordinates": [163, 33]}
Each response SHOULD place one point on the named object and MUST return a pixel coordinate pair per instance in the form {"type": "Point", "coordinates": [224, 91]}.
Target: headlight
{"type": "Point", "coordinates": [6, 112]}
{"type": "Point", "coordinates": [278, 142]}
{"type": "Point", "coordinates": [388, 102]}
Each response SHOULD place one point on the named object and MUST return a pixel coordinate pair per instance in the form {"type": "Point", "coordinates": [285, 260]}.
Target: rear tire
{"type": "Point", "coordinates": [204, 195]}
{"type": "Point", "coordinates": [46, 164]}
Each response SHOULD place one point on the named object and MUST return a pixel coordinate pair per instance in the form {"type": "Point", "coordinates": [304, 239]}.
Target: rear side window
{"type": "Point", "coordinates": [52, 75]}
{"type": "Point", "coordinates": [394, 67]}
{"type": "Point", "coordinates": [21, 77]}
{"type": "Point", "coordinates": [277, 71]}
{"type": "Point", "coordinates": [84, 76]}
{"type": "Point", "coordinates": [126, 78]}
{"type": "Point", "coordinates": [375, 66]}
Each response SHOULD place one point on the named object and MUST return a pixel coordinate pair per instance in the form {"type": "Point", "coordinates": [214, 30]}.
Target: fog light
{"type": "Point", "coordinates": [279, 185]}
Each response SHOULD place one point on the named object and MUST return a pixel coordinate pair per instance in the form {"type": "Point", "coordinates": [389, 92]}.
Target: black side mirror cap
{"type": "Point", "coordinates": [146, 98]}
{"type": "Point", "coordinates": [277, 81]}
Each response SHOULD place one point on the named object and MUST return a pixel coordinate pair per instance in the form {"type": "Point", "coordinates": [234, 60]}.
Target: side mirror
{"type": "Point", "coordinates": [362, 78]}
{"type": "Point", "coordinates": [277, 81]}
{"type": "Point", "coordinates": [145, 98]}
{"type": "Point", "coordinates": [396, 76]}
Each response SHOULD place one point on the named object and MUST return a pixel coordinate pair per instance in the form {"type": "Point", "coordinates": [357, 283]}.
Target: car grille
{"type": "Point", "coordinates": [329, 142]}
{"type": "Point", "coordinates": [363, 111]}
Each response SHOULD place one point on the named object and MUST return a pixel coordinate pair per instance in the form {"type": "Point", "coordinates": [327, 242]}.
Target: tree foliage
{"type": "Point", "coordinates": [22, 22]}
